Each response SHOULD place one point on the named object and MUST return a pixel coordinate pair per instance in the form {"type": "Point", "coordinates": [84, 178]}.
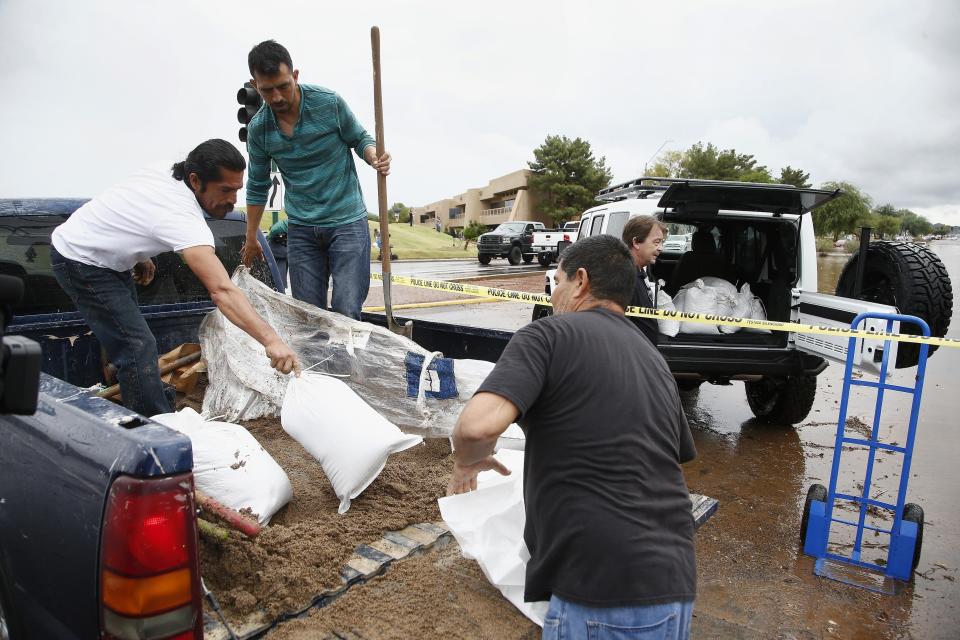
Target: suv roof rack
{"type": "Point", "coordinates": [645, 185]}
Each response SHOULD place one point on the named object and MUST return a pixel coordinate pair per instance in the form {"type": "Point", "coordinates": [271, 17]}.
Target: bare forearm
{"type": "Point", "coordinates": [485, 417]}
{"type": "Point", "coordinates": [234, 305]}
{"type": "Point", "coordinates": [470, 451]}
{"type": "Point", "coordinates": [254, 215]}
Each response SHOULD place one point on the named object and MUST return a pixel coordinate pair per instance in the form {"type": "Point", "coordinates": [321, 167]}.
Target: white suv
{"type": "Point", "coordinates": [762, 235]}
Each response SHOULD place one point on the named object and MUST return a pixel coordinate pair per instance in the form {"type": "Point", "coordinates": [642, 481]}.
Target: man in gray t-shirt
{"type": "Point", "coordinates": [608, 527]}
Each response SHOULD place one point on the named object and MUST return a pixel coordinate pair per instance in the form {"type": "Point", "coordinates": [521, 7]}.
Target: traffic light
{"type": "Point", "coordinates": [251, 101]}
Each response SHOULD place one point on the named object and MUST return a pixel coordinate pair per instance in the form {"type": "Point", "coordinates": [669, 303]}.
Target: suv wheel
{"type": "Point", "coordinates": [909, 277]}
{"type": "Point", "coordinates": [515, 256]}
{"type": "Point", "coordinates": [782, 400]}
{"type": "Point", "coordinates": [484, 259]}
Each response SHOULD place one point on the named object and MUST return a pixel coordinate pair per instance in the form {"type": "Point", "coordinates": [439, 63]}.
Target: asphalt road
{"type": "Point", "coordinates": [455, 269]}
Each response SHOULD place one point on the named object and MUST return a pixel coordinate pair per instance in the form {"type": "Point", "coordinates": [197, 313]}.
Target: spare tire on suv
{"type": "Point", "coordinates": [909, 277]}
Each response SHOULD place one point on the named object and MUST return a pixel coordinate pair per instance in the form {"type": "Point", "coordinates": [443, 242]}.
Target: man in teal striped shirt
{"type": "Point", "coordinates": [309, 132]}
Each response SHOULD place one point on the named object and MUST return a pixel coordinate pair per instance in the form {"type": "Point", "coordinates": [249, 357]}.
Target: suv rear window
{"type": "Point", "coordinates": [25, 253]}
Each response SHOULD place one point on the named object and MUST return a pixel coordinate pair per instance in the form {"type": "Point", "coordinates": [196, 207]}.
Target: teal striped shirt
{"type": "Point", "coordinates": [322, 189]}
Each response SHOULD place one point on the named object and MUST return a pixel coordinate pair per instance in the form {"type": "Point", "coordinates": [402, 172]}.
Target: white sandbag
{"type": "Point", "coordinates": [347, 436]}
{"type": "Point", "coordinates": [230, 466]}
{"type": "Point", "coordinates": [666, 326]}
{"type": "Point", "coordinates": [469, 375]}
{"type": "Point", "coordinates": [488, 525]}
{"type": "Point", "coordinates": [756, 312]}
{"type": "Point", "coordinates": [722, 286]}
{"type": "Point", "coordinates": [698, 298]}
{"type": "Point", "coordinates": [744, 303]}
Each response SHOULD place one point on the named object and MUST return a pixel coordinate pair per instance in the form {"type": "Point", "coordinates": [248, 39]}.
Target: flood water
{"type": "Point", "coordinates": [761, 475]}
{"type": "Point", "coordinates": [753, 581]}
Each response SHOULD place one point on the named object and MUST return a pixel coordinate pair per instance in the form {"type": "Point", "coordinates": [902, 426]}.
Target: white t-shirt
{"type": "Point", "coordinates": [146, 215]}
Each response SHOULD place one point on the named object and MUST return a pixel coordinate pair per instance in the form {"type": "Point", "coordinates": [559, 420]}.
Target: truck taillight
{"type": "Point", "coordinates": [149, 563]}
{"type": "Point", "coordinates": [566, 237]}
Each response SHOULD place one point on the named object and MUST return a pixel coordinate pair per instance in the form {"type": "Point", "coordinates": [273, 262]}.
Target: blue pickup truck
{"type": "Point", "coordinates": [97, 517]}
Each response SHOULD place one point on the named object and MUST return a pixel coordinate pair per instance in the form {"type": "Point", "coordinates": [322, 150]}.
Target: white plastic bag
{"type": "Point", "coordinates": [698, 298]}
{"type": "Point", "coordinates": [666, 326]}
{"type": "Point", "coordinates": [470, 374]}
{"type": "Point", "coordinates": [756, 312]}
{"type": "Point", "coordinates": [230, 466]}
{"type": "Point", "coordinates": [488, 525]}
{"type": "Point", "coordinates": [348, 437]}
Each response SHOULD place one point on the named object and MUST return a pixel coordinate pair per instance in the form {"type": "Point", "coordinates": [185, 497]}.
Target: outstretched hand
{"type": "Point", "coordinates": [464, 478]}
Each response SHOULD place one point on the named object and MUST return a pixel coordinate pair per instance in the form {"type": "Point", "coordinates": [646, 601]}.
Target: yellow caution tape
{"type": "Point", "coordinates": [663, 314]}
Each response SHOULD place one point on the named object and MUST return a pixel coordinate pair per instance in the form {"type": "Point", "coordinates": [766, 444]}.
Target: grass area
{"type": "Point", "coordinates": [406, 242]}
{"type": "Point", "coordinates": [410, 243]}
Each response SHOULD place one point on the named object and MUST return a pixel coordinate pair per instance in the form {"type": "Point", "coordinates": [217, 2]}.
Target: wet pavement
{"type": "Point", "coordinates": [753, 580]}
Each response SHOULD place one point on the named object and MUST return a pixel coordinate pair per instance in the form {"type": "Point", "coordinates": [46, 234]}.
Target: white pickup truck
{"type": "Point", "coordinates": [545, 242]}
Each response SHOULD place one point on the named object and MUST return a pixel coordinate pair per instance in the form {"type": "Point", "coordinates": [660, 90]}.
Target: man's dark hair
{"type": "Point", "coordinates": [207, 160]}
{"type": "Point", "coordinates": [608, 263]}
{"type": "Point", "coordinates": [266, 58]}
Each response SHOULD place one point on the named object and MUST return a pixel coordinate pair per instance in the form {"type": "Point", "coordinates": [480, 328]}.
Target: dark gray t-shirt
{"type": "Point", "coordinates": [608, 513]}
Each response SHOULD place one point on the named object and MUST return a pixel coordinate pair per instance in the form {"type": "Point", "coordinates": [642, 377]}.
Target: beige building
{"type": "Point", "coordinates": [503, 199]}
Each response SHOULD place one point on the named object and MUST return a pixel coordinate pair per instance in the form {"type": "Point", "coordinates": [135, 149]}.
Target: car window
{"type": "Point", "coordinates": [25, 254]}
{"type": "Point", "coordinates": [175, 282]}
{"type": "Point", "coordinates": [618, 219]}
{"type": "Point", "coordinates": [597, 224]}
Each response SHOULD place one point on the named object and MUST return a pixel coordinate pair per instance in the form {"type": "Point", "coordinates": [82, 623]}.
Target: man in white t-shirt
{"type": "Point", "coordinates": [121, 230]}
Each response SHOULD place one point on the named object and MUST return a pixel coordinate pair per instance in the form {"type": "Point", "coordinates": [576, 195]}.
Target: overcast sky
{"type": "Point", "coordinates": [862, 91]}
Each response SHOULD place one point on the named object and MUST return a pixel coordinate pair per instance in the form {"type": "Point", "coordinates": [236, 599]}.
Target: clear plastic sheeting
{"type": "Point", "coordinates": [411, 387]}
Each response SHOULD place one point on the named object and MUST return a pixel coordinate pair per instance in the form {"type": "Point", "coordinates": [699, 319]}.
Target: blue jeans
{"type": "Point", "coordinates": [317, 254]}
{"type": "Point", "coordinates": [107, 300]}
{"type": "Point", "coordinates": [570, 621]}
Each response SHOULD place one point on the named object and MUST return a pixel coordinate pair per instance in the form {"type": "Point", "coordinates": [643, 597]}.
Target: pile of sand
{"type": "Point", "coordinates": [301, 552]}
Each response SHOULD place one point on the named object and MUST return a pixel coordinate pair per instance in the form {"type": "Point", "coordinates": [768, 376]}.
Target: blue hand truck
{"type": "Point", "coordinates": [906, 534]}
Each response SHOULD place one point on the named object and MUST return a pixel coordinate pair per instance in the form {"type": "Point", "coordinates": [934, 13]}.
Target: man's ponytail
{"type": "Point", "coordinates": [207, 160]}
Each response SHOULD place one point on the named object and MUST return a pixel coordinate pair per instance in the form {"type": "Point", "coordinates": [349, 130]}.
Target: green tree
{"type": "Point", "coordinates": [840, 215]}
{"type": "Point", "coordinates": [888, 226]}
{"type": "Point", "coordinates": [399, 212]}
{"type": "Point", "coordinates": [709, 163]}
{"type": "Point", "coordinates": [568, 176]}
{"type": "Point", "coordinates": [471, 231]}
{"type": "Point", "coordinates": [886, 221]}
{"type": "Point", "coordinates": [667, 165]}
{"type": "Point", "coordinates": [914, 224]}
{"type": "Point", "coordinates": [796, 177]}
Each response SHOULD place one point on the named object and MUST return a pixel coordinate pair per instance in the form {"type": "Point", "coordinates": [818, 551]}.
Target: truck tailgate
{"type": "Point", "coordinates": [56, 468]}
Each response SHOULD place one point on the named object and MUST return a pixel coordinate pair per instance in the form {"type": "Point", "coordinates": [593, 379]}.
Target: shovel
{"type": "Point", "coordinates": [405, 330]}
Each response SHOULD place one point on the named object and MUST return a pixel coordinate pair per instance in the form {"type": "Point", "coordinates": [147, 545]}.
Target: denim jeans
{"type": "Point", "coordinates": [318, 254]}
{"type": "Point", "coordinates": [107, 300]}
{"type": "Point", "coordinates": [570, 621]}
